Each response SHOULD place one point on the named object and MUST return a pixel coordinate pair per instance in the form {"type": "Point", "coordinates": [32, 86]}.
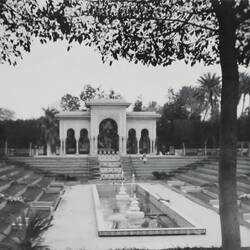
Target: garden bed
{"type": "Point", "coordinates": [201, 196]}
{"type": "Point", "coordinates": [32, 193]}
{"type": "Point", "coordinates": [45, 182]}
{"type": "Point", "coordinates": [8, 171]}
{"type": "Point", "coordinates": [19, 176]}
{"type": "Point", "coordinates": [9, 213]}
{"type": "Point", "coordinates": [49, 197]}
{"type": "Point", "coordinates": [32, 178]}
{"type": "Point", "coordinates": [14, 189]}
{"type": "Point", "coordinates": [213, 189]}
{"type": "Point", "coordinates": [4, 182]}
{"type": "Point", "coordinates": [188, 181]}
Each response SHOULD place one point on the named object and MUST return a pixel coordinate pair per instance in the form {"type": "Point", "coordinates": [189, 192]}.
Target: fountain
{"type": "Point", "coordinates": [134, 215]}
{"type": "Point", "coordinates": [122, 195]}
{"type": "Point", "coordinates": [122, 199]}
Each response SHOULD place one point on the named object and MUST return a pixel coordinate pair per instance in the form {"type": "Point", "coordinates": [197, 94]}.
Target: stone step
{"type": "Point", "coordinates": [190, 188]}
{"type": "Point", "coordinates": [6, 168]}
{"type": "Point", "coordinates": [111, 177]}
{"type": "Point", "coordinates": [191, 180]}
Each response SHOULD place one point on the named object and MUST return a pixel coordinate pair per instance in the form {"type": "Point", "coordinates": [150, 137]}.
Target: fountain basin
{"type": "Point", "coordinates": [154, 217]}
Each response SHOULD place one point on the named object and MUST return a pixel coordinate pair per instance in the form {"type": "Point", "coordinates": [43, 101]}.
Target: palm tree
{"type": "Point", "coordinates": [244, 88]}
{"type": "Point", "coordinates": [209, 93]}
{"type": "Point", "coordinates": [49, 127]}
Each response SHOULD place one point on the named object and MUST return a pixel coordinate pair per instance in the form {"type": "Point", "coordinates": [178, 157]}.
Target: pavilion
{"type": "Point", "coordinates": [107, 127]}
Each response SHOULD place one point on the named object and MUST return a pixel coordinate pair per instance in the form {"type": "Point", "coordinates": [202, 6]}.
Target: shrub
{"type": "Point", "coordinates": [161, 175]}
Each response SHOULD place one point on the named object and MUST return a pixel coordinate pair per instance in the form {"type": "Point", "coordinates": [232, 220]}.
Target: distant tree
{"type": "Point", "coordinates": [188, 98]}
{"type": "Point", "coordinates": [30, 132]}
{"type": "Point", "coordinates": [244, 89]}
{"type": "Point", "coordinates": [113, 95]}
{"type": "Point", "coordinates": [209, 92]}
{"type": "Point", "coordinates": [70, 103]}
{"type": "Point", "coordinates": [174, 111]}
{"type": "Point", "coordinates": [138, 105]}
{"type": "Point", "coordinates": [6, 114]}
{"type": "Point", "coordinates": [49, 125]}
{"type": "Point", "coordinates": [89, 92]}
{"type": "Point", "coordinates": [152, 106]}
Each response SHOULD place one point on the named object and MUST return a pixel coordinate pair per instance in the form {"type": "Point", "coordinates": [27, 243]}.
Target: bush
{"type": "Point", "coordinates": [161, 175]}
{"type": "Point", "coordinates": [63, 177]}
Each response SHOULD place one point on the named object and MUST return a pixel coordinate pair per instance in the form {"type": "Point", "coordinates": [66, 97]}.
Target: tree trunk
{"type": "Point", "coordinates": [228, 129]}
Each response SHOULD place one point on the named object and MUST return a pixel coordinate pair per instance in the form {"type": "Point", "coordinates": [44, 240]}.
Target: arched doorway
{"type": "Point", "coordinates": [70, 142]}
{"type": "Point", "coordinates": [108, 139]}
{"type": "Point", "coordinates": [132, 142]}
{"type": "Point", "coordinates": [83, 142]}
{"type": "Point", "coordinates": [144, 142]}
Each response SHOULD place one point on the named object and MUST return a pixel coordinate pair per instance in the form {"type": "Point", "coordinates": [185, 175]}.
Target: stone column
{"type": "Point", "coordinates": [120, 144]}
{"type": "Point", "coordinates": [124, 145]}
{"type": "Point", "coordinates": [95, 145]}
{"type": "Point", "coordinates": [64, 146]}
{"type": "Point", "coordinates": [61, 146]}
{"type": "Point", "coordinates": [138, 146]}
{"type": "Point", "coordinates": [90, 146]}
{"type": "Point", "coordinates": [77, 146]}
{"type": "Point", "coordinates": [151, 147]}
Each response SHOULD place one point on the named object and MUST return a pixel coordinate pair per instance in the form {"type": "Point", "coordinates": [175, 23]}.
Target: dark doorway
{"type": "Point", "coordinates": [144, 142]}
{"type": "Point", "coordinates": [70, 142]}
{"type": "Point", "coordinates": [108, 139]}
{"type": "Point", "coordinates": [83, 142]}
{"type": "Point", "coordinates": [132, 142]}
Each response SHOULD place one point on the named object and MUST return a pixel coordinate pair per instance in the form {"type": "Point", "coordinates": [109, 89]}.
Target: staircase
{"type": "Point", "coordinates": [202, 182]}
{"type": "Point", "coordinates": [110, 167]}
{"type": "Point", "coordinates": [168, 164]}
{"type": "Point", "coordinates": [86, 167]}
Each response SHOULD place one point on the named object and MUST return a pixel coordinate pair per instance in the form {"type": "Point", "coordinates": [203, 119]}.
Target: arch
{"type": "Point", "coordinates": [144, 143]}
{"type": "Point", "coordinates": [108, 139]}
{"type": "Point", "coordinates": [132, 142]}
{"type": "Point", "coordinates": [83, 144]}
{"type": "Point", "coordinates": [70, 142]}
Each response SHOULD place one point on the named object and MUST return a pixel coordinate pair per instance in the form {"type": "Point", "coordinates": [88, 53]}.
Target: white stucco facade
{"type": "Point", "coordinates": [114, 110]}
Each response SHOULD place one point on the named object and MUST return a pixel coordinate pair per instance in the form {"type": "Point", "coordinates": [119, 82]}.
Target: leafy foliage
{"type": "Point", "coordinates": [28, 233]}
{"type": "Point", "coordinates": [244, 88]}
{"type": "Point", "coordinates": [138, 105]}
{"type": "Point", "coordinates": [6, 114]}
{"type": "Point", "coordinates": [10, 130]}
{"type": "Point", "coordinates": [155, 32]}
{"type": "Point", "coordinates": [70, 103]}
{"type": "Point", "coordinates": [49, 125]}
{"type": "Point", "coordinates": [209, 93]}
{"type": "Point", "coordinates": [89, 93]}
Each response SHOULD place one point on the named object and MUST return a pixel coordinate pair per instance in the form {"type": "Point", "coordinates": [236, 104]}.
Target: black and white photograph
{"type": "Point", "coordinates": [124, 124]}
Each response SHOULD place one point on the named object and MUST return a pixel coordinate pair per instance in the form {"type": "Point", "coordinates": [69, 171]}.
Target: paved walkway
{"type": "Point", "coordinates": [74, 224]}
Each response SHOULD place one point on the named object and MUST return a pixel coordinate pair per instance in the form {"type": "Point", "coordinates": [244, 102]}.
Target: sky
{"type": "Point", "coordinates": [49, 72]}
